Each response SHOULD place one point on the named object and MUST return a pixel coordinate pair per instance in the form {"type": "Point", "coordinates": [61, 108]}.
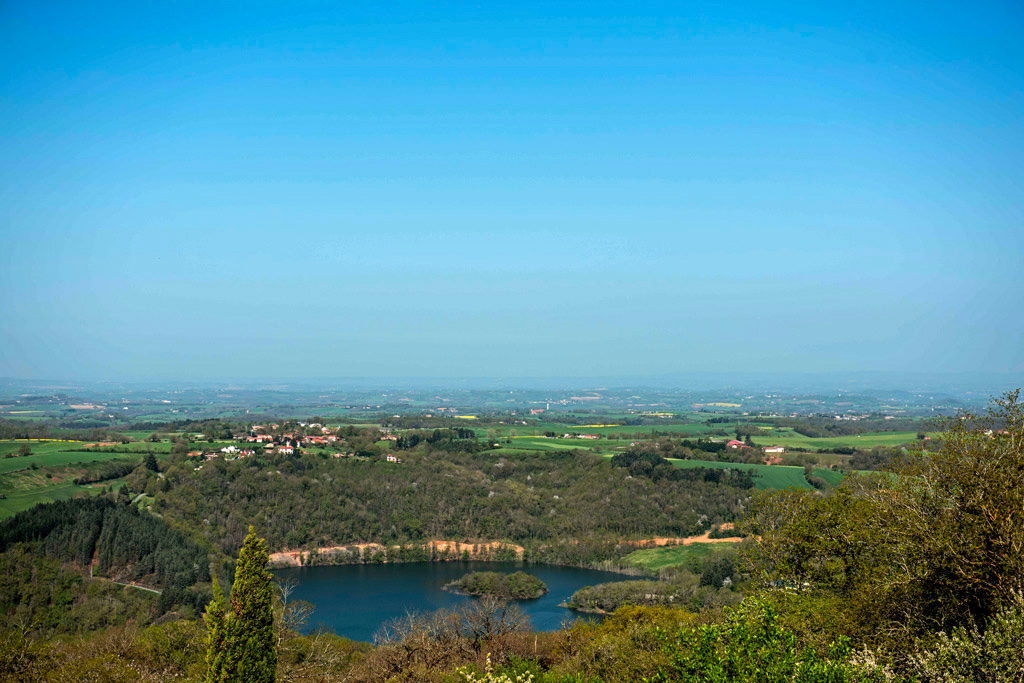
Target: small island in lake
{"type": "Point", "coordinates": [515, 586]}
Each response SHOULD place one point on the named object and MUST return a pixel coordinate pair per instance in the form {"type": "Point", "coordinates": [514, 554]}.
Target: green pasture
{"type": "Point", "coordinates": [23, 489]}
{"type": "Point", "coordinates": [833, 477]}
{"type": "Point", "coordinates": [768, 476]}
{"type": "Point", "coordinates": [143, 434]}
{"type": "Point", "coordinates": [19, 500]}
{"type": "Point", "coordinates": [39, 447]}
{"type": "Point", "coordinates": [158, 448]}
{"type": "Point", "coordinates": [540, 443]}
{"type": "Point", "coordinates": [671, 425]}
{"type": "Point", "coordinates": [56, 459]}
{"type": "Point", "coordinates": [653, 559]}
{"type": "Point", "coordinates": [784, 436]}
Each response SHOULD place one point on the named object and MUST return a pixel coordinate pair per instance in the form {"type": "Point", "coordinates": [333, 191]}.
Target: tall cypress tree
{"type": "Point", "coordinates": [215, 626]}
{"type": "Point", "coordinates": [249, 643]}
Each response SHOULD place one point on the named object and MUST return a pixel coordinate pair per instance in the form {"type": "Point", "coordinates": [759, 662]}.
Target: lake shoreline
{"type": "Point", "coordinates": [355, 601]}
{"type": "Point", "coordinates": [363, 553]}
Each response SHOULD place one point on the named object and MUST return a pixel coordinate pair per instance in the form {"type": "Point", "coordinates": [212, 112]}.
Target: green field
{"type": "Point", "coordinates": [784, 436]}
{"type": "Point", "coordinates": [654, 559]}
{"type": "Point", "coordinates": [59, 459]}
{"type": "Point", "coordinates": [768, 476]}
{"type": "Point", "coordinates": [24, 488]}
{"type": "Point", "coordinates": [39, 447]}
{"type": "Point", "coordinates": [18, 500]}
{"type": "Point", "coordinates": [682, 425]}
{"type": "Point", "coordinates": [675, 427]}
{"type": "Point", "coordinates": [540, 443]}
{"type": "Point", "coordinates": [48, 474]}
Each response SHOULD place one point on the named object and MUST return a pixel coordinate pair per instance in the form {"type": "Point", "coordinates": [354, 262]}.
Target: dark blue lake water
{"type": "Point", "coordinates": [355, 600]}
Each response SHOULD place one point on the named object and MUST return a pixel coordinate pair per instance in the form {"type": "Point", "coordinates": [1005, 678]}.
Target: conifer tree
{"type": "Point", "coordinates": [250, 652]}
{"type": "Point", "coordinates": [215, 626]}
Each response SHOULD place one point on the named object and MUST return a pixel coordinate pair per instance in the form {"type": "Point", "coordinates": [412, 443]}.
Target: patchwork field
{"type": "Point", "coordinates": [683, 426]}
{"type": "Point", "coordinates": [21, 489]}
{"type": "Point", "coordinates": [48, 474]}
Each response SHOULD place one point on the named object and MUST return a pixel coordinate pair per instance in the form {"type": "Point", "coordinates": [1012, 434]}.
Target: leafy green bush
{"type": "Point", "coordinates": [750, 645]}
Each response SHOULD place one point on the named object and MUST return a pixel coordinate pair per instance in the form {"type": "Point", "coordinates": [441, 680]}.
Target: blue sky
{"type": "Point", "coordinates": [523, 190]}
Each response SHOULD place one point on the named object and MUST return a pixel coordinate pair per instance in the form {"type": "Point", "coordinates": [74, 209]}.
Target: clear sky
{"type": "Point", "coordinates": [194, 190]}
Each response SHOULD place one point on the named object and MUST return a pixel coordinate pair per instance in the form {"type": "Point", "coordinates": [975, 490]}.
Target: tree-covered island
{"type": "Point", "coordinates": [514, 586]}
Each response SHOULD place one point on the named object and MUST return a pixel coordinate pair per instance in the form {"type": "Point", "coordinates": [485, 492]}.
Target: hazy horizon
{"type": "Point", "coordinates": [510, 191]}
{"type": "Point", "coordinates": [982, 384]}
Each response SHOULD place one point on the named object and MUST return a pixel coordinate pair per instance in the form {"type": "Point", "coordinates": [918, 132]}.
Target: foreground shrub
{"type": "Point", "coordinates": [750, 645]}
{"type": "Point", "coordinates": [966, 655]}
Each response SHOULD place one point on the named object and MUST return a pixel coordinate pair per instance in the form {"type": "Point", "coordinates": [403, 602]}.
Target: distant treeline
{"type": "Point", "coordinates": [655, 467]}
{"type": "Point", "coordinates": [71, 430]}
{"type": "Point", "coordinates": [112, 469]}
{"type": "Point", "coordinates": [824, 426]}
{"type": "Point", "coordinates": [421, 422]}
{"type": "Point", "coordinates": [211, 428]}
{"type": "Point", "coordinates": [459, 440]}
{"type": "Point", "coordinates": [699, 449]}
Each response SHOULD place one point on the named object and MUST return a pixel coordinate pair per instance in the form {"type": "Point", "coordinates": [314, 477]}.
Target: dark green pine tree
{"type": "Point", "coordinates": [151, 463]}
{"type": "Point", "coordinates": [215, 627]}
{"type": "Point", "coordinates": [249, 643]}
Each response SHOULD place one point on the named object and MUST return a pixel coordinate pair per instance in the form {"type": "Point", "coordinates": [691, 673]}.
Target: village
{"type": "Point", "coordinates": [266, 439]}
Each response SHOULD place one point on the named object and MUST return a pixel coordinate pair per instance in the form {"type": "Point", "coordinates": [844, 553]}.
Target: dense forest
{"type": "Point", "coordinates": [567, 507]}
{"type": "Point", "coordinates": [114, 540]}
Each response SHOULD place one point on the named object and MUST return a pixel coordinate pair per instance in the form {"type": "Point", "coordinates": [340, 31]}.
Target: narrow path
{"type": "Point", "coordinates": [133, 585]}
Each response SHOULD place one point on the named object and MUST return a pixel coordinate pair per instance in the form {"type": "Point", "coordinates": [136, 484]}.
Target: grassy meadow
{"type": "Point", "coordinates": [48, 473]}
{"type": "Point", "coordinates": [46, 460]}
{"type": "Point", "coordinates": [653, 559]}
{"type": "Point", "coordinates": [23, 486]}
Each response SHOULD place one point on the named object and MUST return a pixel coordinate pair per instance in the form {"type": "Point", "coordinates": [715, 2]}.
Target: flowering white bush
{"type": "Point", "coordinates": [490, 677]}
{"type": "Point", "coordinates": [995, 655]}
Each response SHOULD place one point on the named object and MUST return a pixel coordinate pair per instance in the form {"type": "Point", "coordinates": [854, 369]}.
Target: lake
{"type": "Point", "coordinates": [355, 600]}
